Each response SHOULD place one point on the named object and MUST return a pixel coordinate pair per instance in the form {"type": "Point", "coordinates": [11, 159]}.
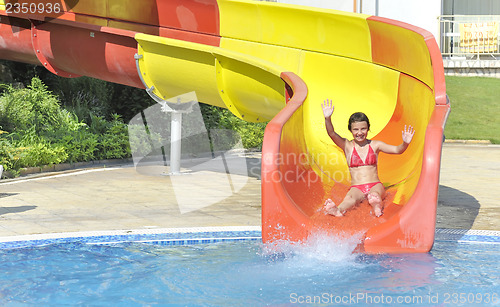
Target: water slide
{"type": "Point", "coordinates": [276, 63]}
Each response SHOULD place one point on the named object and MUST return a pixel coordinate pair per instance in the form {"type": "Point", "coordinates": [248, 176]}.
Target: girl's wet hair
{"type": "Point", "coordinates": [358, 117]}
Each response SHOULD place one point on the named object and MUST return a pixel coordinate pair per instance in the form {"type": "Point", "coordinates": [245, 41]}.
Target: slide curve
{"type": "Point", "coordinates": [276, 63]}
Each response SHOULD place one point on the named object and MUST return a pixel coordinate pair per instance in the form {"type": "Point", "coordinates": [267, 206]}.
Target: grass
{"type": "Point", "coordinates": [475, 108]}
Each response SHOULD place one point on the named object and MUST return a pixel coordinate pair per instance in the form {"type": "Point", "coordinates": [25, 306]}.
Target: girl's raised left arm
{"type": "Point", "coordinates": [407, 136]}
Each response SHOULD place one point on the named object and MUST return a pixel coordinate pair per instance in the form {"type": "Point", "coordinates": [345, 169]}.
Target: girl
{"type": "Point", "coordinates": [362, 155]}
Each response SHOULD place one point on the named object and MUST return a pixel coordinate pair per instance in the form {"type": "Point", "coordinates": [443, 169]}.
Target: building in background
{"type": "Point", "coordinates": [468, 37]}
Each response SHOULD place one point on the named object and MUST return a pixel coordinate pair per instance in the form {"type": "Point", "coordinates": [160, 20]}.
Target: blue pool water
{"type": "Point", "coordinates": [324, 271]}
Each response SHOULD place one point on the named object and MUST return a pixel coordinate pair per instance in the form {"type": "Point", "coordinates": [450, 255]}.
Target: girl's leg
{"type": "Point", "coordinates": [375, 198]}
{"type": "Point", "coordinates": [352, 197]}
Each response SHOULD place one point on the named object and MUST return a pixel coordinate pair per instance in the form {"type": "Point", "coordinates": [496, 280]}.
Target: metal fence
{"type": "Point", "coordinates": [469, 37]}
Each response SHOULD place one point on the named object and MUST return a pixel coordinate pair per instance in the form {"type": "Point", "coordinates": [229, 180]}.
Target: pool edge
{"type": "Point", "coordinates": [177, 236]}
{"type": "Point", "coordinates": [200, 235]}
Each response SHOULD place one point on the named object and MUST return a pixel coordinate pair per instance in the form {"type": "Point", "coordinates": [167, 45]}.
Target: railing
{"type": "Point", "coordinates": [469, 37]}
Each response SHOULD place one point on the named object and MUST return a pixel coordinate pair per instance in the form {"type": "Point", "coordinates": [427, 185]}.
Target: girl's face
{"type": "Point", "coordinates": [359, 131]}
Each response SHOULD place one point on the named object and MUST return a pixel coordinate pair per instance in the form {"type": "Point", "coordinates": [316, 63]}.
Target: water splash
{"type": "Point", "coordinates": [320, 249]}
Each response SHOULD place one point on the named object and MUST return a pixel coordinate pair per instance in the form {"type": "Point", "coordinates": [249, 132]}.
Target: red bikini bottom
{"type": "Point", "coordinates": [365, 188]}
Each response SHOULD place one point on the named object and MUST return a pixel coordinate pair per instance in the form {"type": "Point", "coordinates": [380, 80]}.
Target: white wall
{"type": "Point", "coordinates": [421, 13]}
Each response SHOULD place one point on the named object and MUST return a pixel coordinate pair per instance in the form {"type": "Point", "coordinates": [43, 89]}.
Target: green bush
{"type": "Point", "coordinates": [34, 107]}
{"type": "Point", "coordinates": [80, 145]}
{"type": "Point", "coordinates": [252, 134]}
{"type": "Point", "coordinates": [28, 150]}
{"type": "Point", "coordinates": [39, 132]}
{"type": "Point", "coordinates": [113, 138]}
{"type": "Point", "coordinates": [7, 151]}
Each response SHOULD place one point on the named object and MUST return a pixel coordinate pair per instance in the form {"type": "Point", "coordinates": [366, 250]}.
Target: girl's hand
{"type": "Point", "coordinates": [328, 108]}
{"type": "Point", "coordinates": [408, 134]}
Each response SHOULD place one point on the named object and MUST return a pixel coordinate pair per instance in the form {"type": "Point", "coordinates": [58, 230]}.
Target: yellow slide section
{"type": "Point", "coordinates": [249, 87]}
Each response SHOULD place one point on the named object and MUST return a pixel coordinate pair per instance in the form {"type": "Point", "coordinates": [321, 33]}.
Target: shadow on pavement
{"type": "Point", "coordinates": [2, 195]}
{"type": "Point", "coordinates": [456, 209]}
{"type": "Point", "coordinates": [7, 210]}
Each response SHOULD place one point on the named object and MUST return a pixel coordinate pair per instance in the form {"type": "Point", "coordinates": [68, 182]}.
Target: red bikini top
{"type": "Point", "coordinates": [371, 158]}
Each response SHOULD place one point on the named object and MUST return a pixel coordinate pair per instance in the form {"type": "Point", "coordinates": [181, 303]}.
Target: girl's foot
{"type": "Point", "coordinates": [332, 209]}
{"type": "Point", "coordinates": [375, 201]}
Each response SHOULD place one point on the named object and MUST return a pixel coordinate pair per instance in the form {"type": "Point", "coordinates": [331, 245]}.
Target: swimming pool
{"type": "Point", "coordinates": [233, 268]}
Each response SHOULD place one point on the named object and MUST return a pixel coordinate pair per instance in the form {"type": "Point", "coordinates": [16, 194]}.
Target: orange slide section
{"type": "Point", "coordinates": [270, 62]}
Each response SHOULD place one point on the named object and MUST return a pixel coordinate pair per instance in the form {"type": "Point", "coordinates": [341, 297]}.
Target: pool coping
{"type": "Point", "coordinates": [199, 235]}
{"type": "Point", "coordinates": [467, 235]}
{"type": "Point", "coordinates": [164, 236]}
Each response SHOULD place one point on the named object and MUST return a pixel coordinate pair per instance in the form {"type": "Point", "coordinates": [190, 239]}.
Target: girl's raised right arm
{"type": "Point", "coordinates": [328, 108]}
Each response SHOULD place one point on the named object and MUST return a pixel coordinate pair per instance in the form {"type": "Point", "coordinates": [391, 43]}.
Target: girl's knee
{"type": "Point", "coordinates": [377, 194]}
{"type": "Point", "coordinates": [351, 199]}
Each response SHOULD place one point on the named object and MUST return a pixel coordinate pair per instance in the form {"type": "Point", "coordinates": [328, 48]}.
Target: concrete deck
{"type": "Point", "coordinates": [124, 197]}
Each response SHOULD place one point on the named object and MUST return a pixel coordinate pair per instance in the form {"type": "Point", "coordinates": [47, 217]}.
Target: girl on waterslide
{"type": "Point", "coordinates": [362, 155]}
